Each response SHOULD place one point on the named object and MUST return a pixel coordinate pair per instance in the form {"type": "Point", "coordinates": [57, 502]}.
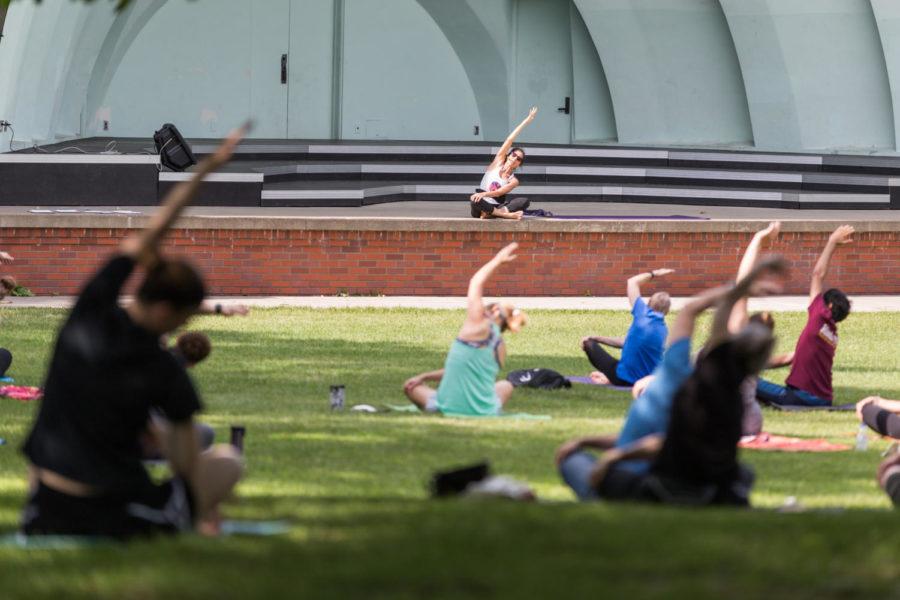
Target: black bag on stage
{"type": "Point", "coordinates": [174, 152]}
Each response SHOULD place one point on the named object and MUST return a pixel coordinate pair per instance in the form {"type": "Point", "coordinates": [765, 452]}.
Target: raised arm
{"type": "Point", "coordinates": [633, 288]}
{"type": "Point", "coordinates": [143, 245]}
{"type": "Point", "coordinates": [510, 140]}
{"type": "Point", "coordinates": [475, 296]}
{"type": "Point", "coordinates": [739, 314]}
{"type": "Point", "coordinates": [842, 235]}
{"type": "Point", "coordinates": [749, 285]}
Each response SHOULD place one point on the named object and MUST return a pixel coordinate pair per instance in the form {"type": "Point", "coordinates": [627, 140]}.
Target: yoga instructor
{"type": "Point", "coordinates": [489, 200]}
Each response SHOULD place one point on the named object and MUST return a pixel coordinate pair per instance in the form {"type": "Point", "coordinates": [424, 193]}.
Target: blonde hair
{"type": "Point", "coordinates": [516, 318]}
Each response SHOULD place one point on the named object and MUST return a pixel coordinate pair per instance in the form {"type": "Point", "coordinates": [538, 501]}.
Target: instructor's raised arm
{"type": "Point", "coordinates": [511, 138]}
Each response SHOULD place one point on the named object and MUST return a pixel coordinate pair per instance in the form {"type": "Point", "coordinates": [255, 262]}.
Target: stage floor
{"type": "Point", "coordinates": [458, 210]}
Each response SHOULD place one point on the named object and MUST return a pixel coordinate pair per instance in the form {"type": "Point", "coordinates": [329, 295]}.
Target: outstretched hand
{"type": "Point", "coordinates": [842, 235]}
{"type": "Point", "coordinates": [771, 232]}
{"type": "Point", "coordinates": [507, 253]}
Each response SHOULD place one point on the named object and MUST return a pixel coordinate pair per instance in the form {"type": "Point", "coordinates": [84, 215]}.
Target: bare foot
{"type": "Point", "coordinates": [211, 526]}
{"type": "Point", "coordinates": [599, 378]}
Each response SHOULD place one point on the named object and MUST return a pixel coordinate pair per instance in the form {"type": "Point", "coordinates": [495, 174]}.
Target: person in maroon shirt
{"type": "Point", "coordinates": [809, 382]}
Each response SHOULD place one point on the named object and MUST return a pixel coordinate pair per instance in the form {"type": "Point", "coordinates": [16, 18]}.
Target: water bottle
{"type": "Point", "coordinates": [336, 396]}
{"type": "Point", "coordinates": [862, 438]}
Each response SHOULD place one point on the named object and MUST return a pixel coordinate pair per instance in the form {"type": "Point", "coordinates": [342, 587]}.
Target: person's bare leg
{"type": "Point", "coordinates": [504, 390]}
{"type": "Point", "coordinates": [218, 470]}
{"type": "Point", "coordinates": [419, 395]}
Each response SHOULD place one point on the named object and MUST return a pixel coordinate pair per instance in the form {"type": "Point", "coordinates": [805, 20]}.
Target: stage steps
{"type": "Point", "coordinates": [360, 193]}
{"type": "Point", "coordinates": [324, 173]}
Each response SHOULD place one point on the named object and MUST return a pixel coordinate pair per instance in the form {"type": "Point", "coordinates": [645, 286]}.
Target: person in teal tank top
{"type": "Point", "coordinates": [468, 382]}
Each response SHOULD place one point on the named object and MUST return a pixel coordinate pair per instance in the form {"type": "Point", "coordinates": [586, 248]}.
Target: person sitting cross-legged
{"type": "Point", "coordinates": [642, 347]}
{"type": "Point", "coordinates": [621, 471]}
{"type": "Point", "coordinates": [810, 380]}
{"type": "Point", "coordinates": [107, 373]}
{"type": "Point", "coordinates": [468, 382]}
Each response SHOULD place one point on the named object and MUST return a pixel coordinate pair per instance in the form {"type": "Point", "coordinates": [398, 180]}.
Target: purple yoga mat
{"type": "Point", "coordinates": [621, 218]}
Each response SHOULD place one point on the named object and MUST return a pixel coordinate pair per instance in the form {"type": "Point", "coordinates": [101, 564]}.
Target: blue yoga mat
{"type": "Point", "coordinates": [75, 542]}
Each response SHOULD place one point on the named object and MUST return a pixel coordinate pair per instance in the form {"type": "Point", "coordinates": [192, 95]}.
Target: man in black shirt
{"type": "Point", "coordinates": [108, 371]}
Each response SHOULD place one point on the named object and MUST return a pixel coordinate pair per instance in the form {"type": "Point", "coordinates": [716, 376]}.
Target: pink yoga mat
{"type": "Point", "coordinates": [780, 443]}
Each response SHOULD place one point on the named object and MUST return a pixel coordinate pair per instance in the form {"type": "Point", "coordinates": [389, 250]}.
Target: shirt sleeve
{"type": "Point", "coordinates": [178, 400]}
{"type": "Point", "coordinates": [818, 309]}
{"type": "Point", "coordinates": [102, 291]}
{"type": "Point", "coordinates": [640, 309]}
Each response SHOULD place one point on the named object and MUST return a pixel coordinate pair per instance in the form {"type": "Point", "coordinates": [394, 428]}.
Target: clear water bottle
{"type": "Point", "coordinates": [336, 397]}
{"type": "Point", "coordinates": [862, 438]}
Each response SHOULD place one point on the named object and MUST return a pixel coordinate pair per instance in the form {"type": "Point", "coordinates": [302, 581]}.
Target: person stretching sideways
{"type": "Point", "coordinates": [622, 468]}
{"type": "Point", "coordinates": [108, 372]}
{"type": "Point", "coordinates": [740, 318]}
{"type": "Point", "coordinates": [468, 381]}
{"type": "Point", "coordinates": [489, 200]}
{"type": "Point", "coordinates": [642, 347]}
{"type": "Point", "coordinates": [809, 382]}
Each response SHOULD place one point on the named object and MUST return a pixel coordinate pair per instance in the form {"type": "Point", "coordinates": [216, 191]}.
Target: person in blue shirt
{"type": "Point", "coordinates": [642, 347]}
{"type": "Point", "coordinates": [621, 470]}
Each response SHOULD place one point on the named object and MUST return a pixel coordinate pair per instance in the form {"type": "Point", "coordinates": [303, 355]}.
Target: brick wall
{"type": "Point", "coordinates": [313, 262]}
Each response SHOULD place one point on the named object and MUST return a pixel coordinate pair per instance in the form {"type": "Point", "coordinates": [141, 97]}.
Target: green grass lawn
{"type": "Point", "coordinates": [353, 485]}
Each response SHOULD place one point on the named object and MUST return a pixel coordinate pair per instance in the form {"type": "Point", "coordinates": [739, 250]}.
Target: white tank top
{"type": "Point", "coordinates": [492, 180]}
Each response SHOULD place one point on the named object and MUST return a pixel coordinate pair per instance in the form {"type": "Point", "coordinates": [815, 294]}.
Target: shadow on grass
{"type": "Point", "coordinates": [389, 548]}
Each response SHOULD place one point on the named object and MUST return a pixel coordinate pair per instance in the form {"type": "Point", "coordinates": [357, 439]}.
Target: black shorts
{"type": "Point", "coordinates": [166, 508]}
